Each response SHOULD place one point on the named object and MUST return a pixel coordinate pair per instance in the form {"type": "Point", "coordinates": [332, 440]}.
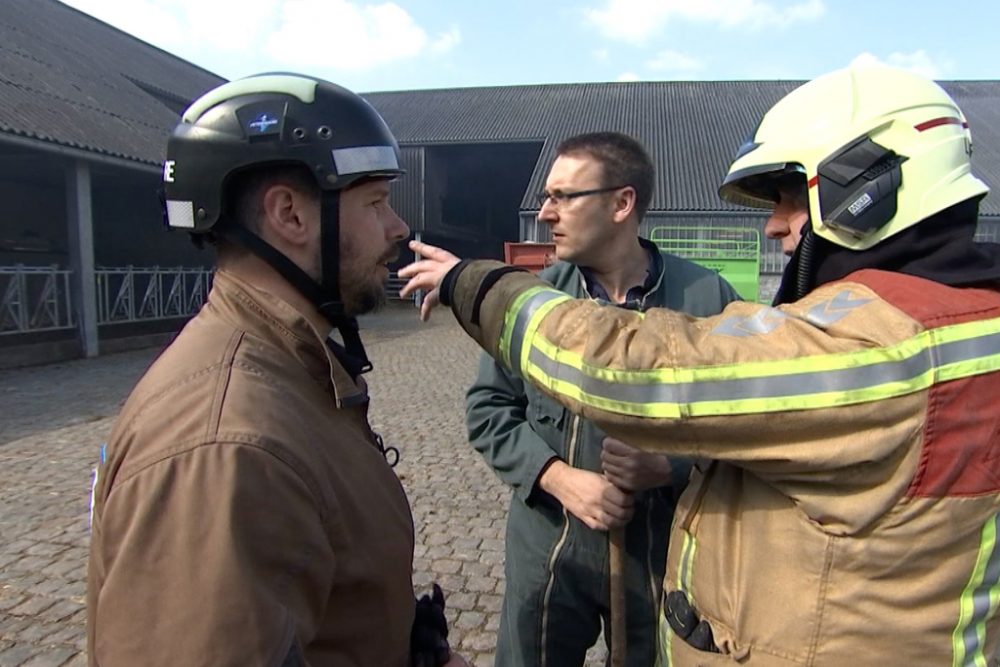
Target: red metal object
{"type": "Point", "coordinates": [531, 256]}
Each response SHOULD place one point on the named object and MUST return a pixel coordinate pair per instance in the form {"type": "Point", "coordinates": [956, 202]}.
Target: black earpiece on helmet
{"type": "Point", "coordinates": [858, 186]}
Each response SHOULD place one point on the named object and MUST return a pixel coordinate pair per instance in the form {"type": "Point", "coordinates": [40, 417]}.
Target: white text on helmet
{"type": "Point", "coordinates": [168, 171]}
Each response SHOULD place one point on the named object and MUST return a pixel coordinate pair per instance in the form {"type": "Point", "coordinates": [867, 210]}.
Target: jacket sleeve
{"type": "Point", "coordinates": [729, 294]}
{"type": "Point", "coordinates": [796, 394]}
{"type": "Point", "coordinates": [202, 567]}
{"type": "Point", "coordinates": [496, 416]}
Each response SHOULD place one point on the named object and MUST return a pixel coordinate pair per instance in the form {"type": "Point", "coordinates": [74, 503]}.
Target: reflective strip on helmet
{"type": "Point", "coordinates": [822, 381]}
{"type": "Point", "coordinates": [937, 122]}
{"type": "Point", "coordinates": [979, 600]}
{"type": "Point", "coordinates": [180, 213]}
{"type": "Point", "coordinates": [286, 84]}
{"type": "Point", "coordinates": [365, 160]}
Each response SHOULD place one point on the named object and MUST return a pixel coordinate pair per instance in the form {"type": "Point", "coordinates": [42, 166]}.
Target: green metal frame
{"type": "Point", "coordinates": [734, 252]}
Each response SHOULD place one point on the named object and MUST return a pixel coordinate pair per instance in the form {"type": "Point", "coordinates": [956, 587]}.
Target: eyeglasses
{"type": "Point", "coordinates": [560, 198]}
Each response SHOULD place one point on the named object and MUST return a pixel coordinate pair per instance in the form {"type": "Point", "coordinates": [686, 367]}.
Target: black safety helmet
{"type": "Point", "coordinates": [278, 119]}
{"type": "Point", "coordinates": [271, 119]}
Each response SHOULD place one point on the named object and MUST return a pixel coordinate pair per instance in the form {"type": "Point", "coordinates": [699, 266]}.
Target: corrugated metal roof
{"type": "Point", "coordinates": [691, 128]}
{"type": "Point", "coordinates": [69, 79]}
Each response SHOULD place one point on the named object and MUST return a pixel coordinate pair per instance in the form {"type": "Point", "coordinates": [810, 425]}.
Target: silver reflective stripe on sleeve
{"type": "Point", "coordinates": [524, 316]}
{"type": "Point", "coordinates": [861, 376]}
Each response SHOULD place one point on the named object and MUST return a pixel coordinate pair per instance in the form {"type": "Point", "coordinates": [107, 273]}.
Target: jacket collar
{"type": "Point", "coordinates": [265, 316]}
{"type": "Point", "coordinates": [638, 294]}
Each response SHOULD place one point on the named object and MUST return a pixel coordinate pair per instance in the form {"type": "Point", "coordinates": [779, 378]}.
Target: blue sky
{"type": "Point", "coordinates": [406, 44]}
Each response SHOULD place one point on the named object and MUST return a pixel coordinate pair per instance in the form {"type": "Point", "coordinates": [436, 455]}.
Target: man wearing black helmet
{"type": "Point", "coordinates": [244, 512]}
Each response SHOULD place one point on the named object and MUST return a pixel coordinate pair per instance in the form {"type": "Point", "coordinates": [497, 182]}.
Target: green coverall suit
{"type": "Point", "coordinates": [556, 567]}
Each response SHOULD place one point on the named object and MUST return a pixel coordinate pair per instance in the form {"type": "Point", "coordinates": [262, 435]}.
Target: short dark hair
{"type": "Point", "coordinates": [243, 204]}
{"type": "Point", "coordinates": [623, 162]}
{"type": "Point", "coordinates": [243, 196]}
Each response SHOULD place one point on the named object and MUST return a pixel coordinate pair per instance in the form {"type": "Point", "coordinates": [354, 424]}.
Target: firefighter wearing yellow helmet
{"type": "Point", "coordinates": [846, 506]}
{"type": "Point", "coordinates": [872, 152]}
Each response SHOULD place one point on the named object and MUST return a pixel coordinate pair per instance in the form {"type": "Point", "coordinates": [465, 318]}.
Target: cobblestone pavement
{"type": "Point", "coordinates": [54, 417]}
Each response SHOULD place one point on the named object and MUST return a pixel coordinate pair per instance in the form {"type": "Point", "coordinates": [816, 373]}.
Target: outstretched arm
{"type": "Point", "coordinates": [800, 395]}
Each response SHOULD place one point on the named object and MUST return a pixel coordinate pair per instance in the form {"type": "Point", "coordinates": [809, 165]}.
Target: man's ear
{"type": "Point", "coordinates": [624, 204]}
{"type": "Point", "coordinates": [285, 215]}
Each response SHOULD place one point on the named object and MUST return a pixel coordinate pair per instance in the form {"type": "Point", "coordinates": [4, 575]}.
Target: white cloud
{"type": "Point", "coordinates": [349, 36]}
{"type": "Point", "coordinates": [918, 62]}
{"type": "Point", "coordinates": [675, 61]}
{"type": "Point", "coordinates": [446, 41]}
{"type": "Point", "coordinates": [601, 55]}
{"type": "Point", "coordinates": [179, 25]}
{"type": "Point", "coordinates": [635, 21]}
{"type": "Point", "coordinates": [628, 76]}
{"type": "Point", "coordinates": [345, 35]}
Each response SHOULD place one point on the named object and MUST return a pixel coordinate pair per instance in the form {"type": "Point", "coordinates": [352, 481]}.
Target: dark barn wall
{"type": "Point", "coordinates": [127, 219]}
{"type": "Point", "coordinates": [473, 194]}
{"type": "Point", "coordinates": [33, 224]}
{"type": "Point", "coordinates": [129, 228]}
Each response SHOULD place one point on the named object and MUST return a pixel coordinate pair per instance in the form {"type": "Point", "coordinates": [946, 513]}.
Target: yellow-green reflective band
{"type": "Point", "coordinates": [687, 558]}
{"type": "Point", "coordinates": [979, 600]}
{"type": "Point", "coordinates": [666, 643]}
{"type": "Point", "coordinates": [933, 356]}
{"type": "Point", "coordinates": [526, 310]}
{"type": "Point", "coordinates": [684, 569]}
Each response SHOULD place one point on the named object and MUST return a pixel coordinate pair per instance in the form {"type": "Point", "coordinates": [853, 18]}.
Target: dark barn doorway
{"type": "Point", "coordinates": [473, 195]}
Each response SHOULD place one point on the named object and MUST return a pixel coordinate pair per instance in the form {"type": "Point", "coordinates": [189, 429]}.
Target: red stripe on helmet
{"type": "Point", "coordinates": [946, 120]}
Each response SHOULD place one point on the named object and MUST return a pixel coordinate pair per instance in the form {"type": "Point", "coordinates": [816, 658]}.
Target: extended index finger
{"type": "Point", "coordinates": [421, 266]}
{"type": "Point", "coordinates": [431, 251]}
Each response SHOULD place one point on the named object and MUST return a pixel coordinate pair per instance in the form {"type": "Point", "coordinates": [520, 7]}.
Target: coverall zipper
{"type": "Point", "coordinates": [570, 459]}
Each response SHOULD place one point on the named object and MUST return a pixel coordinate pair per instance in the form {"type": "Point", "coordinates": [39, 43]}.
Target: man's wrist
{"type": "Point", "coordinates": [551, 476]}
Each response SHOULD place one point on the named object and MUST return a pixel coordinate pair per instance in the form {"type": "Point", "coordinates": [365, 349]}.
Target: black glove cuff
{"type": "Point", "coordinates": [448, 284]}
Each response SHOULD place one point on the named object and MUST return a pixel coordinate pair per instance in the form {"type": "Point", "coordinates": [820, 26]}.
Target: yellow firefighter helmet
{"type": "Point", "coordinates": [879, 148]}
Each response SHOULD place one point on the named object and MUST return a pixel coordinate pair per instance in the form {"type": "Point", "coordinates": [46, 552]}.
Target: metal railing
{"type": "Point", "coordinates": [39, 298]}
{"type": "Point", "coordinates": [135, 294]}
{"type": "Point", "coordinates": [392, 287]}
{"type": "Point", "coordinates": [34, 298]}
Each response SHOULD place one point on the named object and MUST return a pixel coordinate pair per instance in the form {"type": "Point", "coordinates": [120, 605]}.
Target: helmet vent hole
{"type": "Point", "coordinates": [324, 132]}
{"type": "Point", "coordinates": [299, 133]}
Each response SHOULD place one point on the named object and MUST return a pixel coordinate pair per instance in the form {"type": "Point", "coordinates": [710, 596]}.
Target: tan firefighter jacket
{"type": "Point", "coordinates": [847, 510]}
{"type": "Point", "coordinates": [243, 515]}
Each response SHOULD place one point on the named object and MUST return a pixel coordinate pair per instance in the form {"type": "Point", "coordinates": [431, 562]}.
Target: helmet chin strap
{"type": "Point", "coordinates": [326, 295]}
{"type": "Point", "coordinates": [332, 308]}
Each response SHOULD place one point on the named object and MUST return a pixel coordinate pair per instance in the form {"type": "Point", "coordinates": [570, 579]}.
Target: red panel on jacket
{"type": "Point", "coordinates": [961, 450]}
